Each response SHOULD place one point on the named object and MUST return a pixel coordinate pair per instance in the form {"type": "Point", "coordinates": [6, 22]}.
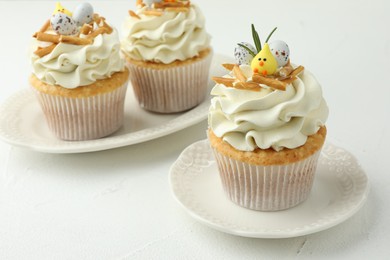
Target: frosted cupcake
{"type": "Point", "coordinates": [168, 53]}
{"type": "Point", "coordinates": [78, 75]}
{"type": "Point", "coordinates": [267, 127]}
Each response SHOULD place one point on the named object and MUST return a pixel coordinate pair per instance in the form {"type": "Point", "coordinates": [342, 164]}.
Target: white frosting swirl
{"type": "Point", "coordinates": [166, 38]}
{"type": "Point", "coordinates": [248, 120]}
{"type": "Point", "coordinates": [71, 66]}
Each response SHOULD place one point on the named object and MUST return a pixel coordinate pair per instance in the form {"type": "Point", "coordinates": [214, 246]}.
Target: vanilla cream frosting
{"type": "Point", "coordinates": [71, 66]}
{"type": "Point", "coordinates": [166, 38]}
{"type": "Point", "coordinates": [276, 119]}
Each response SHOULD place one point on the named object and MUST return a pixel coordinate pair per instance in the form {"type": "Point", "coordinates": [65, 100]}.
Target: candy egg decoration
{"type": "Point", "coordinates": [244, 53]}
{"type": "Point", "coordinates": [264, 62]}
{"type": "Point", "coordinates": [60, 9]}
{"type": "Point", "coordinates": [83, 14]}
{"type": "Point", "coordinates": [63, 24]}
{"type": "Point", "coordinates": [280, 51]}
{"type": "Point", "coordinates": [271, 67]}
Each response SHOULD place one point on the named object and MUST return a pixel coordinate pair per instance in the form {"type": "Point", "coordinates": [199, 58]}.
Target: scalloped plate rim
{"type": "Point", "coordinates": [305, 230]}
{"type": "Point", "coordinates": [181, 121]}
{"type": "Point", "coordinates": [109, 142]}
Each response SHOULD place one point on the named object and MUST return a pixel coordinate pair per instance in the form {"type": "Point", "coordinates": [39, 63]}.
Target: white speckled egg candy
{"type": "Point", "coordinates": [83, 14]}
{"type": "Point", "coordinates": [63, 24]}
{"type": "Point", "coordinates": [242, 55]}
{"type": "Point", "coordinates": [281, 52]}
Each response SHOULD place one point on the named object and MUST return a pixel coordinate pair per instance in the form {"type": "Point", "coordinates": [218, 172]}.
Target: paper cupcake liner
{"type": "Point", "coordinates": [267, 188]}
{"type": "Point", "coordinates": [173, 89]}
{"type": "Point", "coordinates": [84, 118]}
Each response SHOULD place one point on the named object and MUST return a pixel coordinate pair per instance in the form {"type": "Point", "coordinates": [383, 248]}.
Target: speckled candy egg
{"type": "Point", "coordinates": [280, 51]}
{"type": "Point", "coordinates": [242, 55]}
{"type": "Point", "coordinates": [83, 14]}
{"type": "Point", "coordinates": [63, 24]}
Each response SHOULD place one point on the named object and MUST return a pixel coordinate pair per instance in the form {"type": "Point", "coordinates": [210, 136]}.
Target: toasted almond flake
{"type": "Point", "coordinates": [133, 14]}
{"type": "Point", "coordinates": [100, 30]}
{"type": "Point", "coordinates": [286, 70]}
{"type": "Point", "coordinates": [238, 72]}
{"type": "Point", "coordinates": [176, 9]}
{"type": "Point", "coordinates": [91, 30]}
{"type": "Point", "coordinates": [95, 17]}
{"type": "Point", "coordinates": [108, 28]}
{"type": "Point", "coordinates": [45, 50]}
{"type": "Point", "coordinates": [247, 86]}
{"type": "Point", "coordinates": [139, 2]}
{"type": "Point", "coordinates": [152, 12]}
{"type": "Point", "coordinates": [289, 80]}
{"type": "Point", "coordinates": [75, 40]}
{"type": "Point", "coordinates": [45, 26]}
{"type": "Point", "coordinates": [225, 81]}
{"type": "Point", "coordinates": [163, 5]}
{"type": "Point", "coordinates": [271, 82]}
{"type": "Point", "coordinates": [228, 66]}
{"type": "Point", "coordinates": [45, 37]}
{"type": "Point", "coordinates": [87, 28]}
{"type": "Point", "coordinates": [296, 72]}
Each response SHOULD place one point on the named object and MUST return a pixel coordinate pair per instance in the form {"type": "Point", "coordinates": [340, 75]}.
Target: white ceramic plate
{"type": "Point", "coordinates": [22, 122]}
{"type": "Point", "coordinates": [340, 189]}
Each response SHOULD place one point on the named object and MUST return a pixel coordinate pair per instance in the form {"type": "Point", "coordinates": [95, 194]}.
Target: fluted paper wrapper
{"type": "Point", "coordinates": [86, 118]}
{"type": "Point", "coordinates": [172, 89]}
{"type": "Point", "coordinates": [267, 188]}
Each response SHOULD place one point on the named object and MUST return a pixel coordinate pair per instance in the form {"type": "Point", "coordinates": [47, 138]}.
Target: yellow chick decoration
{"type": "Point", "coordinates": [61, 9]}
{"type": "Point", "coordinates": [264, 62]}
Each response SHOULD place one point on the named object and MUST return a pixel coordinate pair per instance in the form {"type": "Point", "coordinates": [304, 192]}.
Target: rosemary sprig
{"type": "Point", "coordinates": [246, 48]}
{"type": "Point", "coordinates": [256, 39]}
{"type": "Point", "coordinates": [269, 36]}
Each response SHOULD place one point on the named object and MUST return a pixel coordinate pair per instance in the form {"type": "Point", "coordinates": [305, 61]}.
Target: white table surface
{"type": "Point", "coordinates": [117, 204]}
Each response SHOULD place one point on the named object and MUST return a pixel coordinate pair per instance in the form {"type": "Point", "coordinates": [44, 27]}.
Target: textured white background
{"type": "Point", "coordinates": [117, 204]}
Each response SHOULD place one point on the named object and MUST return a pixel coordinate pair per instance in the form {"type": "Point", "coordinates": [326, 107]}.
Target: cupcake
{"type": "Point", "coordinates": [266, 127]}
{"type": "Point", "coordinates": [78, 74]}
{"type": "Point", "coordinates": [168, 53]}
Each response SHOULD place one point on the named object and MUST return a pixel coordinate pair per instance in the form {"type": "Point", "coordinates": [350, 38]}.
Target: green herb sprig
{"type": "Point", "coordinates": [246, 48]}
{"type": "Point", "coordinates": [256, 40]}
{"type": "Point", "coordinates": [269, 35]}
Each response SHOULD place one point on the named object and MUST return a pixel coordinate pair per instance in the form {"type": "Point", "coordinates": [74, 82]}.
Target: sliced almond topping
{"type": "Point", "coordinates": [238, 72]}
{"type": "Point", "coordinates": [108, 28]}
{"type": "Point", "coordinates": [163, 5]}
{"type": "Point", "coordinates": [247, 86]}
{"type": "Point", "coordinates": [133, 14]}
{"type": "Point", "coordinates": [87, 28]}
{"type": "Point", "coordinates": [273, 83]}
{"type": "Point", "coordinates": [98, 31]}
{"type": "Point", "coordinates": [152, 12]}
{"type": "Point", "coordinates": [44, 51]}
{"type": "Point", "coordinates": [228, 66]}
{"type": "Point", "coordinates": [225, 81]}
{"type": "Point", "coordinates": [45, 37]}
{"type": "Point", "coordinates": [176, 9]}
{"type": "Point", "coordinates": [139, 2]}
{"type": "Point", "coordinates": [286, 70]}
{"type": "Point", "coordinates": [288, 80]}
{"type": "Point", "coordinates": [45, 26]}
{"type": "Point", "coordinates": [75, 40]}
{"type": "Point", "coordinates": [97, 18]}
{"type": "Point", "coordinates": [296, 72]}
